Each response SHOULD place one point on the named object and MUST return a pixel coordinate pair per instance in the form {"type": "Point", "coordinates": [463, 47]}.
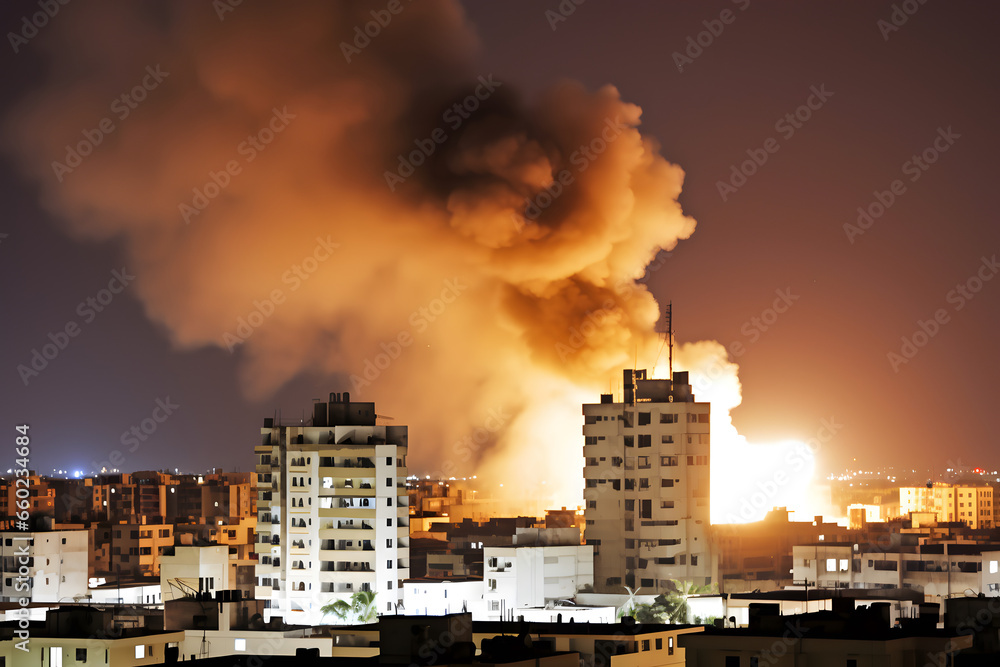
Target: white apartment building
{"type": "Point", "coordinates": [518, 577]}
{"type": "Point", "coordinates": [938, 570]}
{"type": "Point", "coordinates": [44, 566]}
{"type": "Point", "coordinates": [333, 515]}
{"type": "Point", "coordinates": [647, 485]}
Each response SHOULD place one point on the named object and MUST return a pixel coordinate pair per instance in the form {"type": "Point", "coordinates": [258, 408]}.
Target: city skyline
{"type": "Point", "coordinates": [784, 121]}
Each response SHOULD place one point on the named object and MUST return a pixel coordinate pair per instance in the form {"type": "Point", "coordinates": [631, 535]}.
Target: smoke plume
{"type": "Point", "coordinates": [331, 188]}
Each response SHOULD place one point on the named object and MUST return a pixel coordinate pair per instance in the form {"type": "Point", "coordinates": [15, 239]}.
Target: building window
{"type": "Point", "coordinates": [240, 645]}
{"type": "Point", "coordinates": [389, 585]}
{"type": "Point", "coordinates": [388, 522]}
{"type": "Point", "coordinates": [140, 651]}
{"type": "Point", "coordinates": [659, 643]}
{"type": "Point", "coordinates": [670, 645]}
{"type": "Point", "coordinates": [388, 565]}
{"type": "Point", "coordinates": [388, 481]}
{"type": "Point", "coordinates": [645, 642]}
{"type": "Point", "coordinates": [646, 510]}
{"type": "Point", "coordinates": [81, 655]}
{"type": "Point", "coordinates": [388, 543]}
{"type": "Point", "coordinates": [388, 460]}
{"type": "Point", "coordinates": [666, 483]}
{"type": "Point", "coordinates": [643, 419]}
{"type": "Point", "coordinates": [731, 660]}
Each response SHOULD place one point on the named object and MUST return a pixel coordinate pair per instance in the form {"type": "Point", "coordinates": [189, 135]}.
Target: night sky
{"type": "Point", "coordinates": [879, 97]}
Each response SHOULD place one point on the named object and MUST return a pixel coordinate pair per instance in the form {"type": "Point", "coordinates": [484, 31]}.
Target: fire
{"type": "Point", "coordinates": [748, 479]}
{"type": "Point", "coordinates": [480, 286]}
{"type": "Point", "coordinates": [540, 455]}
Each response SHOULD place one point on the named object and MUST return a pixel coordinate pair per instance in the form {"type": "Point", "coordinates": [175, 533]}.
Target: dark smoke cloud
{"type": "Point", "coordinates": [499, 275]}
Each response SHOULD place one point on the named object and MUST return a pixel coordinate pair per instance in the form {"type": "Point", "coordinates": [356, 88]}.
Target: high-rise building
{"type": "Point", "coordinates": [333, 514]}
{"type": "Point", "coordinates": [647, 485]}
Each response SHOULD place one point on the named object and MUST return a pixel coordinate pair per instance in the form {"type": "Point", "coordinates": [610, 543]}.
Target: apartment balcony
{"type": "Point", "coordinates": [353, 525]}
{"type": "Point", "coordinates": [343, 566]}
{"type": "Point", "coordinates": [352, 554]}
{"type": "Point", "coordinates": [346, 472]}
{"type": "Point", "coordinates": [355, 490]}
{"type": "Point", "coordinates": [342, 508]}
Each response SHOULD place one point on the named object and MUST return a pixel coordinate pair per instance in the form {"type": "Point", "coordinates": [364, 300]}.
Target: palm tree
{"type": "Point", "coordinates": [339, 608]}
{"type": "Point", "coordinates": [361, 607]}
{"type": "Point", "coordinates": [628, 607]}
{"type": "Point", "coordinates": [680, 610]}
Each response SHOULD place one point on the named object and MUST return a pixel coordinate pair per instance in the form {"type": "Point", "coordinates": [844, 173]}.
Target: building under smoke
{"type": "Point", "coordinates": [647, 485]}
{"type": "Point", "coordinates": [333, 512]}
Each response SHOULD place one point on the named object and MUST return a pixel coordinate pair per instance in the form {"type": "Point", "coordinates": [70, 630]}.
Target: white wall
{"type": "Point", "coordinates": [254, 642]}
{"type": "Point", "coordinates": [188, 565]}
{"type": "Point", "coordinates": [535, 576]}
{"type": "Point", "coordinates": [437, 598]}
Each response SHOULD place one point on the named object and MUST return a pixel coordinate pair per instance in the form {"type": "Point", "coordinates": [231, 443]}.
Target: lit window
{"type": "Point", "coordinates": [240, 645]}
{"type": "Point", "coordinates": [831, 564]}
{"type": "Point", "coordinates": [140, 651]}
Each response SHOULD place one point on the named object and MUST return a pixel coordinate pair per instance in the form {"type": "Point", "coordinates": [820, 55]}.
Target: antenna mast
{"type": "Point", "coordinates": [670, 337]}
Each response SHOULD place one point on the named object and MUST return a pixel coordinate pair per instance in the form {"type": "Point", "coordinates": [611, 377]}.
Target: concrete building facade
{"type": "Point", "coordinates": [43, 566]}
{"type": "Point", "coordinates": [647, 489]}
{"type": "Point", "coordinates": [968, 503]}
{"type": "Point", "coordinates": [533, 576]}
{"type": "Point", "coordinates": [333, 513]}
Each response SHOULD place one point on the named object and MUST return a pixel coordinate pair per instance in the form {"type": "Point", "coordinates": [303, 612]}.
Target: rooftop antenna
{"type": "Point", "coordinates": [670, 337]}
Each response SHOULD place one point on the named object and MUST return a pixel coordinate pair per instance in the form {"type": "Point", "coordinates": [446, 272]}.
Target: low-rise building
{"type": "Point", "coordinates": [938, 570]}
{"type": "Point", "coordinates": [43, 566]}
{"type": "Point", "coordinates": [843, 636]}
{"type": "Point", "coordinates": [86, 636]}
{"type": "Point", "coordinates": [534, 576]}
{"type": "Point", "coordinates": [439, 597]}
